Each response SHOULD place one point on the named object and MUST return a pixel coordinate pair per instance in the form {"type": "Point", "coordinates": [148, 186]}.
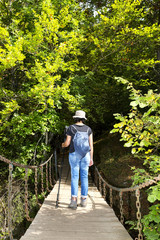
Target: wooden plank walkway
{"type": "Point", "coordinates": [95, 222]}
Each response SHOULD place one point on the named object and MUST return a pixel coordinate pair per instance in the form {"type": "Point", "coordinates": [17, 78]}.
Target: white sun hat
{"type": "Point", "coordinates": [80, 114]}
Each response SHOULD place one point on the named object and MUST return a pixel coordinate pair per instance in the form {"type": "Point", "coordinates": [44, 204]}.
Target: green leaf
{"type": "Point", "coordinates": [152, 198]}
{"type": "Point", "coordinates": [128, 144]}
{"type": "Point", "coordinates": [134, 103]}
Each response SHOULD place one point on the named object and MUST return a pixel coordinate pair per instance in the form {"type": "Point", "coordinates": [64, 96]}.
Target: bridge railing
{"type": "Point", "coordinates": [17, 200]}
{"type": "Point", "coordinates": [102, 186]}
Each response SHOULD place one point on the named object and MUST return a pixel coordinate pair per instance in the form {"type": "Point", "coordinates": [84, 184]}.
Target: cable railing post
{"type": "Point", "coordinates": [55, 159]}
{"type": "Point", "coordinates": [47, 178]}
{"type": "Point", "coordinates": [5, 215]}
{"type": "Point", "coordinates": [104, 190]}
{"type": "Point", "coordinates": [50, 173]}
{"type": "Point", "coordinates": [36, 184]}
{"type": "Point", "coordinates": [10, 201]}
{"type": "Point", "coordinates": [100, 185]}
{"type": "Point", "coordinates": [96, 178]}
{"type": "Point", "coordinates": [42, 186]}
{"type": "Point", "coordinates": [139, 225]}
{"type": "Point", "coordinates": [111, 197]}
{"type": "Point", "coordinates": [26, 196]}
{"type": "Point", "coordinates": [121, 207]}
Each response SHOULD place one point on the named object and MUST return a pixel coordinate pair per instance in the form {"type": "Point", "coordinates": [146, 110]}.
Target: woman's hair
{"type": "Point", "coordinates": [76, 120]}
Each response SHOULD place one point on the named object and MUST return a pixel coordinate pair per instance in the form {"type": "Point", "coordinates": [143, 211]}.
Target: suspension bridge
{"type": "Point", "coordinates": [96, 221]}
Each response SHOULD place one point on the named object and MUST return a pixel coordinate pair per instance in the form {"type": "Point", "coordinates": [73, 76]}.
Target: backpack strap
{"type": "Point", "coordinates": [74, 128]}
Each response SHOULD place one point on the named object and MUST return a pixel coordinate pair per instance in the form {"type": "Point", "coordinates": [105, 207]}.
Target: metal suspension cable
{"type": "Point", "coordinates": [130, 189]}
{"type": "Point", "coordinates": [3, 159]}
{"type": "Point", "coordinates": [100, 180]}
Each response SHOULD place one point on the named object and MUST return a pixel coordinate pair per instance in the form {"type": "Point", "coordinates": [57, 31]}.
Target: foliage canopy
{"type": "Point", "coordinates": [140, 130]}
{"type": "Point", "coordinates": [59, 56]}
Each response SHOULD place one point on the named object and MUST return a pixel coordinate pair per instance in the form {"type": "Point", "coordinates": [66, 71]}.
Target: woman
{"type": "Point", "coordinates": [79, 161]}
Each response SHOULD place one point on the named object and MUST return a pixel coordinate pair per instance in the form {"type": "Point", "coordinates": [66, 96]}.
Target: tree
{"type": "Point", "coordinates": [56, 57]}
{"type": "Point", "coordinates": [140, 130]}
{"type": "Point", "coordinates": [38, 61]}
{"type": "Point", "coordinates": [120, 42]}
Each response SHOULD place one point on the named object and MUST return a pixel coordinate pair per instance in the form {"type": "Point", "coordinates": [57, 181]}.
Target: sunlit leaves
{"type": "Point", "coordinates": [126, 42]}
{"type": "Point", "coordinates": [140, 130]}
{"type": "Point", "coordinates": [38, 56]}
{"type": "Point", "coordinates": [151, 222]}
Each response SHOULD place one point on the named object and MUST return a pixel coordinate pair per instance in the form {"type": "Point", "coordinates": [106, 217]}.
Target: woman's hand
{"type": "Point", "coordinates": [63, 145]}
{"type": "Point", "coordinates": [67, 142]}
{"type": "Point", "coordinates": [91, 163]}
{"type": "Point", "coordinates": [91, 152]}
